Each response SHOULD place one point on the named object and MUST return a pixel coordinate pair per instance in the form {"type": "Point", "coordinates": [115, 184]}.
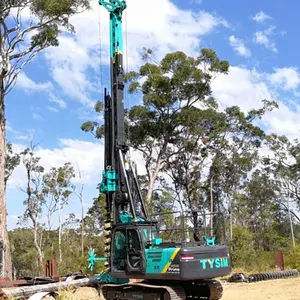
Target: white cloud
{"type": "Point", "coordinates": [12, 220]}
{"type": "Point", "coordinates": [239, 46]}
{"type": "Point", "coordinates": [241, 87]}
{"type": "Point", "coordinates": [260, 17]}
{"type": "Point", "coordinates": [263, 38]}
{"type": "Point", "coordinates": [165, 29]}
{"type": "Point", "coordinates": [61, 103]}
{"type": "Point", "coordinates": [74, 84]}
{"type": "Point", "coordinates": [9, 128]}
{"type": "Point", "coordinates": [285, 78]}
{"type": "Point", "coordinates": [37, 116]}
{"type": "Point", "coordinates": [51, 108]}
{"type": "Point", "coordinates": [88, 155]}
{"type": "Point", "coordinates": [25, 134]}
{"type": "Point", "coordinates": [25, 137]}
{"type": "Point", "coordinates": [247, 88]}
{"type": "Point", "coordinates": [29, 86]}
{"type": "Point", "coordinates": [24, 82]}
{"type": "Point", "coordinates": [77, 55]}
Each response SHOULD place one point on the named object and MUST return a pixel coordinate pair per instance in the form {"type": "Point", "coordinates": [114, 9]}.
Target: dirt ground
{"type": "Point", "coordinates": [279, 289]}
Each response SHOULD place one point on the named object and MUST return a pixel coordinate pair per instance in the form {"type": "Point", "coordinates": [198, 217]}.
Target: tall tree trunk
{"type": "Point", "coordinates": [154, 174]}
{"type": "Point", "coordinates": [7, 263]}
{"type": "Point", "coordinates": [38, 248]}
{"type": "Point", "coordinates": [229, 197]}
{"type": "Point", "coordinates": [82, 226]}
{"type": "Point", "coordinates": [150, 189]}
{"type": "Point", "coordinates": [152, 180]}
{"type": "Point", "coordinates": [59, 233]}
{"type": "Point", "coordinates": [80, 196]}
{"type": "Point", "coordinates": [211, 208]}
{"type": "Point", "coordinates": [49, 221]}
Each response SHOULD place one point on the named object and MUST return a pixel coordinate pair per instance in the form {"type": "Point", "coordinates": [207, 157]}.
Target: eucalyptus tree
{"type": "Point", "coordinates": [57, 190]}
{"type": "Point", "coordinates": [236, 153]}
{"type": "Point", "coordinates": [34, 199]}
{"type": "Point", "coordinates": [217, 152]}
{"type": "Point", "coordinates": [170, 90]}
{"type": "Point", "coordinates": [283, 163]}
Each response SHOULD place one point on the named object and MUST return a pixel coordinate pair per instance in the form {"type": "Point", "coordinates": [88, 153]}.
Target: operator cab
{"type": "Point", "coordinates": [129, 242]}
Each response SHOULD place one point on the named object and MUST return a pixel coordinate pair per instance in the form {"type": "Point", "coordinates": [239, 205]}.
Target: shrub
{"type": "Point", "coordinates": [242, 254]}
{"type": "Point", "coordinates": [292, 258]}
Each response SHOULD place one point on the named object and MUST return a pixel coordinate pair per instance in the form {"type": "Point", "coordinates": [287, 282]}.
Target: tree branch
{"type": "Point", "coordinates": [19, 37]}
{"type": "Point", "coordinates": [13, 74]}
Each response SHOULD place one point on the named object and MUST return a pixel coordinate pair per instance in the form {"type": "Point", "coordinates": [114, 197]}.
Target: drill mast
{"type": "Point", "coordinates": [119, 184]}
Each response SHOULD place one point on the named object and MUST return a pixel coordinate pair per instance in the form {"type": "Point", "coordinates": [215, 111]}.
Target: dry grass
{"type": "Point", "coordinates": [66, 295]}
{"type": "Point", "coordinates": [83, 293]}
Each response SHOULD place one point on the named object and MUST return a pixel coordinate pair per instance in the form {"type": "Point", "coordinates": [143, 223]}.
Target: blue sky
{"type": "Point", "coordinates": [56, 92]}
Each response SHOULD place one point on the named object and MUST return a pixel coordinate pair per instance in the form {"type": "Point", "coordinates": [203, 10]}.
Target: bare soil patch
{"type": "Point", "coordinates": [279, 289]}
{"type": "Point", "coordinates": [285, 289]}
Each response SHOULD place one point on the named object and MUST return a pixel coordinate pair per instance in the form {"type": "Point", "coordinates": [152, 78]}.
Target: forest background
{"type": "Point", "coordinates": [195, 153]}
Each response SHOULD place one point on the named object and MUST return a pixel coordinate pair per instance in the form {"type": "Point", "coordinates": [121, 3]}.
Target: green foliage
{"type": "Point", "coordinates": [47, 193]}
{"type": "Point", "coordinates": [24, 255]}
{"type": "Point", "coordinates": [11, 162]}
{"type": "Point", "coordinates": [25, 259]}
{"type": "Point", "coordinates": [94, 128]}
{"type": "Point", "coordinates": [57, 183]}
{"type": "Point", "coordinates": [245, 256]}
{"type": "Point", "coordinates": [72, 259]}
{"type": "Point", "coordinates": [46, 37]}
{"type": "Point", "coordinates": [99, 107]}
{"type": "Point", "coordinates": [52, 7]}
{"type": "Point", "coordinates": [57, 189]}
{"type": "Point", "coordinates": [34, 195]}
{"type": "Point", "coordinates": [177, 78]}
{"type": "Point", "coordinates": [292, 258]}
{"type": "Point", "coordinates": [243, 253]}
{"type": "Point", "coordinates": [52, 14]}
{"type": "Point", "coordinates": [95, 217]}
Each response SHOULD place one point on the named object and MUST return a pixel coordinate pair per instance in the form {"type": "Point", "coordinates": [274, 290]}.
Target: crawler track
{"type": "Point", "coordinates": [204, 290]}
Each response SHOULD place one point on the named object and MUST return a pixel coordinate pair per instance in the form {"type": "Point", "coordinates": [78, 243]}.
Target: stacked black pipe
{"type": "Point", "coordinates": [272, 275]}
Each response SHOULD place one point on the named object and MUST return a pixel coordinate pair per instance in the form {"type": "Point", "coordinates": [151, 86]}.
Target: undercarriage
{"type": "Point", "coordinates": [152, 290]}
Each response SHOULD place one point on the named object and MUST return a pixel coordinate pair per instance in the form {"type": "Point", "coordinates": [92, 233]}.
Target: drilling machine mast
{"type": "Point", "coordinates": [119, 183]}
{"type": "Point", "coordinates": [169, 270]}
